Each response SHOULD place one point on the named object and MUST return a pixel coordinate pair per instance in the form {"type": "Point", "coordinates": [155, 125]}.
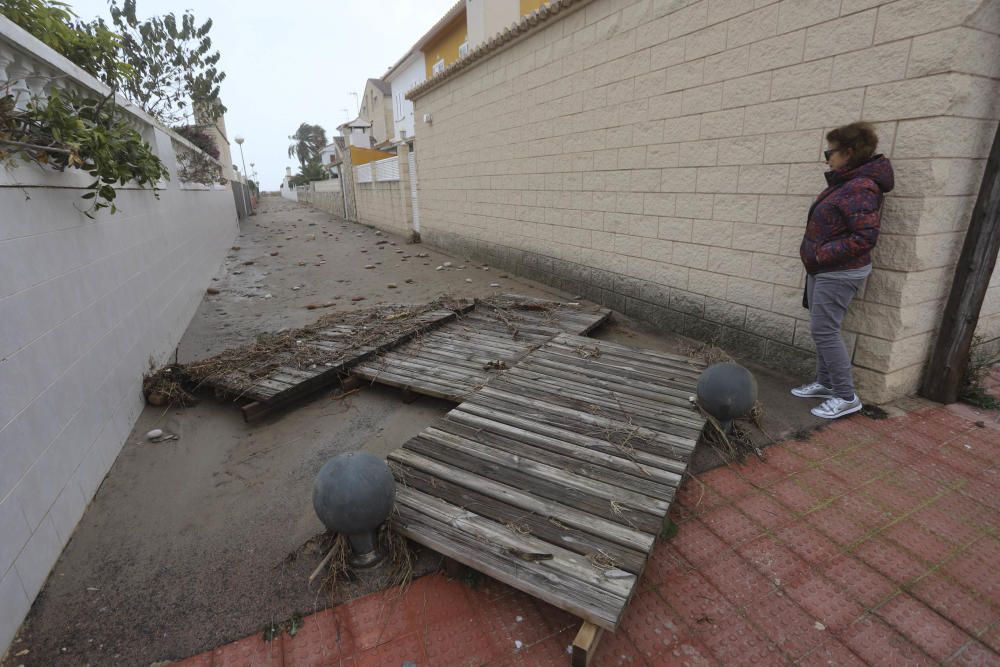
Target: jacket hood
{"type": "Point", "coordinates": [878, 169]}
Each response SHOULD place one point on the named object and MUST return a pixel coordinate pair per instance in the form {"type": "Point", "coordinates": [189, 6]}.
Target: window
{"type": "Point", "coordinates": [438, 67]}
{"type": "Point", "coordinates": [463, 49]}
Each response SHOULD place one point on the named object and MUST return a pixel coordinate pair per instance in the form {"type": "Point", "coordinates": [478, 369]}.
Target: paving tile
{"type": "Point", "coordinates": [444, 598]}
{"type": "Point", "coordinates": [984, 493]}
{"type": "Point", "coordinates": [727, 483]}
{"type": "Point", "coordinates": [836, 525]}
{"type": "Point", "coordinates": [878, 644]}
{"type": "Point", "coordinates": [760, 473]}
{"type": "Point", "coordinates": [974, 654]}
{"type": "Point", "coordinates": [890, 560]}
{"type": "Point", "coordinates": [864, 511]}
{"type": "Point", "coordinates": [320, 641]}
{"type": "Point", "coordinates": [733, 641]}
{"type": "Point", "coordinates": [765, 511]}
{"type": "Point", "coordinates": [550, 652]}
{"type": "Point", "coordinates": [695, 497]}
{"type": "Point", "coordinates": [831, 653]}
{"type": "Point", "coordinates": [937, 470]}
{"type": "Point", "coordinates": [616, 650]}
{"type": "Point", "coordinates": [786, 459]}
{"type": "Point", "coordinates": [664, 561]}
{"type": "Point", "coordinates": [652, 626]}
{"type": "Point", "coordinates": [968, 507]}
{"type": "Point", "coordinates": [919, 541]}
{"type": "Point", "coordinates": [736, 579]}
{"type": "Point", "coordinates": [514, 618]}
{"type": "Point", "coordinates": [961, 457]}
{"type": "Point", "coordinates": [730, 525]}
{"type": "Point", "coordinates": [786, 624]}
{"type": "Point", "coordinates": [808, 543]}
{"type": "Point", "coordinates": [992, 636]}
{"type": "Point", "coordinates": [811, 449]}
{"type": "Point", "coordinates": [556, 620]}
{"type": "Point", "coordinates": [378, 618]}
{"type": "Point", "coordinates": [826, 601]}
{"type": "Point", "coordinates": [695, 542]}
{"type": "Point", "coordinates": [399, 651]}
{"type": "Point", "coordinates": [855, 429]}
{"type": "Point", "coordinates": [858, 466]}
{"type": "Point", "coordinates": [694, 599]}
{"type": "Point", "coordinates": [955, 602]}
{"type": "Point", "coordinates": [777, 563]}
{"type": "Point", "coordinates": [859, 581]}
{"type": "Point", "coordinates": [794, 497]}
{"type": "Point", "coordinates": [978, 568]}
{"type": "Point", "coordinates": [937, 637]}
{"type": "Point", "coordinates": [461, 641]}
{"type": "Point", "coordinates": [947, 526]}
{"type": "Point", "coordinates": [821, 485]}
{"type": "Point", "coordinates": [252, 650]}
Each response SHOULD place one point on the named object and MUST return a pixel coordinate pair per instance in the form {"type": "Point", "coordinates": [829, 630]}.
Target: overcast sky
{"type": "Point", "coordinates": [295, 61]}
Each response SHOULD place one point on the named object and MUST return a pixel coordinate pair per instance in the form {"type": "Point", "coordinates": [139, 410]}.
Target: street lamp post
{"type": "Point", "coordinates": [239, 140]}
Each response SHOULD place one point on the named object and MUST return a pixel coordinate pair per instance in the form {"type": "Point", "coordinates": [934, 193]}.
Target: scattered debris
{"type": "Point", "coordinates": [369, 266]}
{"type": "Point", "coordinates": [494, 284]}
{"type": "Point", "coordinates": [391, 286]}
{"type": "Point", "coordinates": [154, 434]}
{"type": "Point", "coordinates": [211, 290]}
{"type": "Point", "coordinates": [274, 254]}
{"type": "Point", "coordinates": [357, 298]}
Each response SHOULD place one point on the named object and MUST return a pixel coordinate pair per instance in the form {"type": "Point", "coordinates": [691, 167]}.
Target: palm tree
{"type": "Point", "coordinates": [308, 140]}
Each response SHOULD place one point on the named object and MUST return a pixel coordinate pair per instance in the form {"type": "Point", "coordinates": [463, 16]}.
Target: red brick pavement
{"type": "Point", "coordinates": [875, 542]}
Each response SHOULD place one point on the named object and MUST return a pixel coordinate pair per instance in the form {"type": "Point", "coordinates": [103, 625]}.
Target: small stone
{"type": "Point", "coordinates": [518, 644]}
{"type": "Point", "coordinates": [519, 619]}
{"type": "Point", "coordinates": [422, 254]}
{"type": "Point", "coordinates": [446, 264]}
{"type": "Point", "coordinates": [981, 424]}
{"type": "Point", "coordinates": [409, 281]}
{"type": "Point", "coordinates": [357, 298]}
{"type": "Point", "coordinates": [440, 268]}
{"type": "Point", "coordinates": [819, 626]}
{"type": "Point", "coordinates": [248, 263]}
{"type": "Point", "coordinates": [391, 286]}
{"type": "Point", "coordinates": [400, 252]}
{"type": "Point", "coordinates": [313, 306]}
{"type": "Point", "coordinates": [504, 275]}
{"type": "Point", "coordinates": [274, 253]}
{"type": "Point", "coordinates": [494, 284]}
{"type": "Point", "coordinates": [267, 296]}
{"type": "Point", "coordinates": [211, 290]}
{"type": "Point", "coordinates": [155, 433]}
{"type": "Point", "coordinates": [468, 280]}
{"type": "Point", "coordinates": [296, 288]}
{"type": "Point", "coordinates": [369, 266]}
{"type": "Point", "coordinates": [235, 247]}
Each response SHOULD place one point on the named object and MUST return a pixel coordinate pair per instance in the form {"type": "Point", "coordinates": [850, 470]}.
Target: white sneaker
{"type": "Point", "coordinates": [813, 390]}
{"type": "Point", "coordinates": [835, 407]}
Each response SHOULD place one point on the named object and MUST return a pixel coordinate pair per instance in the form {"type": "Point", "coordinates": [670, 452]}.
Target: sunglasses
{"type": "Point", "coordinates": [830, 152]}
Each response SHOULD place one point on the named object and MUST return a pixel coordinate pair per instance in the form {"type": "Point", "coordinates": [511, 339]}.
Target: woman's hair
{"type": "Point", "coordinates": [858, 136]}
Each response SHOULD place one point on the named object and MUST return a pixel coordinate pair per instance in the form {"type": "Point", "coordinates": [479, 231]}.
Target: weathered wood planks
{"type": "Point", "coordinates": [463, 356]}
{"type": "Point", "coordinates": [556, 477]}
{"type": "Point", "coordinates": [286, 384]}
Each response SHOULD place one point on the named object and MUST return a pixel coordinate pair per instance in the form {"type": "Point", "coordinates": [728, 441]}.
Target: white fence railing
{"type": "Point", "coordinates": [387, 169]}
{"type": "Point", "coordinates": [363, 174]}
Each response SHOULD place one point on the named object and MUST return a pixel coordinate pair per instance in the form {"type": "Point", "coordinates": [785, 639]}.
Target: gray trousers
{"type": "Point", "coordinates": [829, 298]}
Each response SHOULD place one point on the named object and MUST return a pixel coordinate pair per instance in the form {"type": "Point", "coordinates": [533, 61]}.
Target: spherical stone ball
{"type": "Point", "coordinates": [354, 493]}
{"type": "Point", "coordinates": [727, 391]}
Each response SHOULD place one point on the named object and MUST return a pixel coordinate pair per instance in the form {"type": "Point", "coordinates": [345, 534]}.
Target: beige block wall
{"type": "Point", "coordinates": [661, 156]}
{"type": "Point", "coordinates": [380, 204]}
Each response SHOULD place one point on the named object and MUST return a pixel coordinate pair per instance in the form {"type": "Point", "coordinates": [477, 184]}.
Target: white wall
{"type": "Point", "coordinates": [84, 305]}
{"type": "Point", "coordinates": [410, 72]}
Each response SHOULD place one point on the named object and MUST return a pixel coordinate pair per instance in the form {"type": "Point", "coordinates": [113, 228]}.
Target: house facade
{"type": "Point", "coordinates": [376, 108]}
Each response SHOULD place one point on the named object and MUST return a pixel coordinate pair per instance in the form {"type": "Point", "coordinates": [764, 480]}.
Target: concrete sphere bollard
{"type": "Point", "coordinates": [353, 494]}
{"type": "Point", "coordinates": [727, 391]}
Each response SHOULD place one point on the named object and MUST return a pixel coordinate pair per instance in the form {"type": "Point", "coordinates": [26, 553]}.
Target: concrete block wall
{"type": "Point", "coordinates": [331, 201]}
{"type": "Point", "coordinates": [381, 205]}
{"type": "Point", "coordinates": [660, 156]}
{"type": "Point", "coordinates": [85, 307]}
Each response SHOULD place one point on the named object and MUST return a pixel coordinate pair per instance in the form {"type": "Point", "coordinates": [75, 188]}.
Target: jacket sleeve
{"type": "Point", "coordinates": [863, 224]}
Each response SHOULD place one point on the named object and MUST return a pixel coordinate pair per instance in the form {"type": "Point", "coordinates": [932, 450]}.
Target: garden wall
{"type": "Point", "coordinates": [85, 307]}
{"type": "Point", "coordinates": [660, 157]}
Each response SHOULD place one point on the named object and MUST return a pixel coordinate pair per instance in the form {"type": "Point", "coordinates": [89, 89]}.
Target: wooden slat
{"type": "Point", "coordinates": [578, 540]}
{"type": "Point", "coordinates": [610, 530]}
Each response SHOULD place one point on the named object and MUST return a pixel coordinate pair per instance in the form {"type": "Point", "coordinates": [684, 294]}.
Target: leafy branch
{"type": "Point", "coordinates": [71, 131]}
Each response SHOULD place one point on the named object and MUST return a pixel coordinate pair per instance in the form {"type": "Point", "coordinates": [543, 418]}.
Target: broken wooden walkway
{"type": "Point", "coordinates": [286, 384]}
{"type": "Point", "coordinates": [462, 356]}
{"type": "Point", "coordinates": [556, 477]}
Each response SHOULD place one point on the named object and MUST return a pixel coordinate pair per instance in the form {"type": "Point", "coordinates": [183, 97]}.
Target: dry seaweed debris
{"type": "Point", "coordinates": [507, 309]}
{"type": "Point", "coordinates": [239, 368]}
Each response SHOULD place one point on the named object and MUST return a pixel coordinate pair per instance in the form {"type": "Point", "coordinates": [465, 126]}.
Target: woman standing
{"type": "Point", "coordinates": [841, 230]}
